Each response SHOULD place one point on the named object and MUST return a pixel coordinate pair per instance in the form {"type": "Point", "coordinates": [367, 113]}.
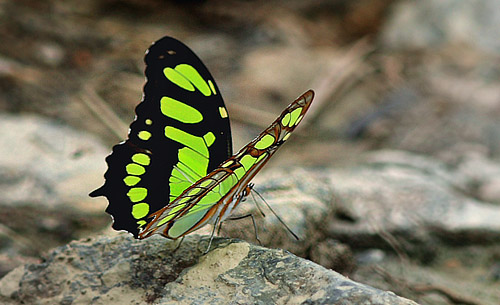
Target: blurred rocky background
{"type": "Point", "coordinates": [393, 179]}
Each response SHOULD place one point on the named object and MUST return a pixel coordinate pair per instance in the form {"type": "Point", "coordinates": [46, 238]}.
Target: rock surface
{"type": "Point", "coordinates": [46, 163]}
{"type": "Point", "coordinates": [384, 202]}
{"type": "Point", "coordinates": [416, 217]}
{"type": "Point", "coordinates": [425, 24]}
{"type": "Point", "coordinates": [300, 198]}
{"type": "Point", "coordinates": [422, 210]}
{"type": "Point", "coordinates": [416, 199]}
{"type": "Point", "coordinates": [122, 270]}
{"type": "Point", "coordinates": [46, 172]}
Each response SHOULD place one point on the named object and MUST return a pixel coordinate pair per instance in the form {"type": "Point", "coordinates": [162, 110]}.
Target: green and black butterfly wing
{"type": "Point", "coordinates": [181, 132]}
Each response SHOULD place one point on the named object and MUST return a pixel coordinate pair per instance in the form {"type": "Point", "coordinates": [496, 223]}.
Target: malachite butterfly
{"type": "Point", "coordinates": [176, 172]}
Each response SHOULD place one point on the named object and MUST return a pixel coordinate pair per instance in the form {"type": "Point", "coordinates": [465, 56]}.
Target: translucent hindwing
{"type": "Point", "coordinates": [214, 197]}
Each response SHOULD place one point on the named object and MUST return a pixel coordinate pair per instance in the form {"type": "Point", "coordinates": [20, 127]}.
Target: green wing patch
{"type": "Point", "coordinates": [178, 136]}
{"type": "Point", "coordinates": [175, 173]}
{"type": "Point", "coordinates": [214, 197]}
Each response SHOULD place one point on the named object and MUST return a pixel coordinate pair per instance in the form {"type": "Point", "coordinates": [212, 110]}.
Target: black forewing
{"type": "Point", "coordinates": [166, 52]}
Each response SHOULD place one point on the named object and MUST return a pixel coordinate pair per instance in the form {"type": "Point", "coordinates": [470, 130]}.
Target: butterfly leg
{"type": "Point", "coordinates": [253, 221]}
{"type": "Point", "coordinates": [220, 227]}
{"type": "Point", "coordinates": [212, 236]}
{"type": "Point", "coordinates": [179, 244]}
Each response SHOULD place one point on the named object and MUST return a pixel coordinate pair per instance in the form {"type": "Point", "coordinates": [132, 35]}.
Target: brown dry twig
{"type": "Point", "coordinates": [249, 115]}
{"type": "Point", "coordinates": [103, 111]}
{"type": "Point", "coordinates": [331, 85]}
{"type": "Point", "coordinates": [23, 242]}
{"type": "Point", "coordinates": [448, 293]}
{"type": "Point", "coordinates": [338, 78]}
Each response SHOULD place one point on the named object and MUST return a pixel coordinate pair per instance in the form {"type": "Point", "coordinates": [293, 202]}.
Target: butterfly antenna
{"type": "Point", "coordinates": [279, 218]}
{"type": "Point", "coordinates": [257, 203]}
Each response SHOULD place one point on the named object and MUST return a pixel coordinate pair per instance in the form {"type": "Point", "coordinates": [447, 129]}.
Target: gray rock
{"type": "Point", "coordinates": [450, 134]}
{"type": "Point", "coordinates": [483, 174]}
{"type": "Point", "coordinates": [410, 198]}
{"type": "Point", "coordinates": [423, 24]}
{"type": "Point", "coordinates": [299, 197]}
{"type": "Point", "coordinates": [122, 270]}
{"type": "Point", "coordinates": [47, 164]}
{"type": "Point", "coordinates": [46, 172]}
{"type": "Point", "coordinates": [415, 228]}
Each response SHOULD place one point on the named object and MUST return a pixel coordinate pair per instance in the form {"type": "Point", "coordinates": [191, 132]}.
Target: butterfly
{"type": "Point", "coordinates": [176, 172]}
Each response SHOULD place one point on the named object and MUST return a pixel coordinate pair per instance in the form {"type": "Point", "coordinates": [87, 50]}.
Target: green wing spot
{"type": "Point", "coordinates": [177, 78]}
{"type": "Point", "coordinates": [209, 199]}
{"type": "Point", "coordinates": [227, 184]}
{"type": "Point", "coordinates": [188, 171]}
{"type": "Point", "coordinates": [194, 77]}
{"type": "Point", "coordinates": [240, 172]}
{"type": "Point", "coordinates": [131, 180]}
{"type": "Point", "coordinates": [171, 214]}
{"type": "Point", "coordinates": [140, 210]}
{"type": "Point", "coordinates": [182, 180]}
{"type": "Point", "coordinates": [261, 157]}
{"type": "Point", "coordinates": [227, 163]}
{"type": "Point", "coordinates": [194, 191]}
{"type": "Point", "coordinates": [177, 189]}
{"type": "Point", "coordinates": [179, 111]}
{"type": "Point", "coordinates": [197, 162]}
{"type": "Point", "coordinates": [187, 139]}
{"type": "Point", "coordinates": [299, 119]}
{"type": "Point", "coordinates": [144, 135]}
{"type": "Point", "coordinates": [264, 142]}
{"type": "Point", "coordinates": [174, 180]}
{"type": "Point", "coordinates": [247, 161]}
{"type": "Point", "coordinates": [206, 183]}
{"type": "Point", "coordinates": [285, 120]}
{"type": "Point", "coordinates": [212, 87]}
{"type": "Point", "coordinates": [137, 194]}
{"type": "Point", "coordinates": [216, 190]}
{"type": "Point", "coordinates": [148, 122]}
{"type": "Point", "coordinates": [193, 159]}
{"type": "Point", "coordinates": [141, 223]}
{"type": "Point", "coordinates": [209, 138]}
{"type": "Point", "coordinates": [294, 116]}
{"type": "Point", "coordinates": [184, 200]}
{"type": "Point", "coordinates": [135, 169]}
{"type": "Point", "coordinates": [177, 175]}
{"type": "Point", "coordinates": [223, 112]}
{"type": "Point", "coordinates": [141, 158]}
